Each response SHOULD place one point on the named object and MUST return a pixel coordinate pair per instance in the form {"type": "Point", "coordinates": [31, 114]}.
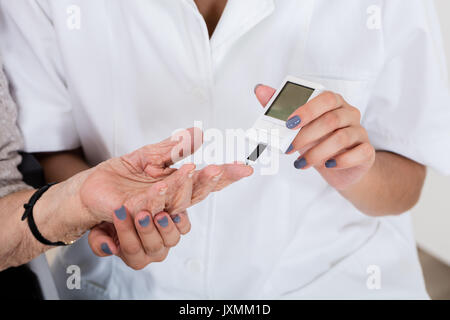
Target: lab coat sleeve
{"type": "Point", "coordinates": [409, 108]}
{"type": "Point", "coordinates": [32, 62]}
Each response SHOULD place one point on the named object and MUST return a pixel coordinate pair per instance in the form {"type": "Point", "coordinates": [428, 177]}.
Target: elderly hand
{"type": "Point", "coordinates": [332, 139]}
{"type": "Point", "coordinates": [149, 199]}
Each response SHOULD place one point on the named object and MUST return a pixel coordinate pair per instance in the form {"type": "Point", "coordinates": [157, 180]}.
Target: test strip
{"type": "Point", "coordinates": [256, 153]}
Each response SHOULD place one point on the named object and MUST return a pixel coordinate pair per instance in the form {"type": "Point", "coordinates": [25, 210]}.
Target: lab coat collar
{"type": "Point", "coordinates": [238, 18]}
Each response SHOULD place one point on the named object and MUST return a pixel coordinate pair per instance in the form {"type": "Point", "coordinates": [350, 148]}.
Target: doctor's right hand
{"type": "Point", "coordinates": [142, 200]}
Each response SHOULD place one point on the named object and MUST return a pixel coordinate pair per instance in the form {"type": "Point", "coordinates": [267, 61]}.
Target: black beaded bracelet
{"type": "Point", "coordinates": [28, 214]}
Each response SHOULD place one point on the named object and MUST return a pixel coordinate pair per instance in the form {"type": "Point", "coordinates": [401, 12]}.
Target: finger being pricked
{"type": "Point", "coordinates": [205, 181]}
{"type": "Point", "coordinates": [233, 172]}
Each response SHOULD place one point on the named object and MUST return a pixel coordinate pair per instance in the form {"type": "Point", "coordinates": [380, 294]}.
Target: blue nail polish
{"type": "Point", "coordinates": [145, 222]}
{"type": "Point", "coordinates": [121, 213]}
{"type": "Point", "coordinates": [291, 147]}
{"type": "Point", "coordinates": [331, 163]}
{"type": "Point", "coordinates": [300, 163]}
{"type": "Point", "coordinates": [164, 222]}
{"type": "Point", "coordinates": [106, 249]}
{"type": "Point", "coordinates": [293, 122]}
{"type": "Point", "coordinates": [176, 219]}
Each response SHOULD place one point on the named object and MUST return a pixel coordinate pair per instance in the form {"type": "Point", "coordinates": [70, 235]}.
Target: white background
{"type": "Point", "coordinates": [432, 215]}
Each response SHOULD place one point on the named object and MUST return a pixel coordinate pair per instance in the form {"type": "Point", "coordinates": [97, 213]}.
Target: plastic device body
{"type": "Point", "coordinates": [270, 130]}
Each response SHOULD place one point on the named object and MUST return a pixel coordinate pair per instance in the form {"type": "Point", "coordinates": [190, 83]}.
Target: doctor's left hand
{"type": "Point", "coordinates": [332, 139]}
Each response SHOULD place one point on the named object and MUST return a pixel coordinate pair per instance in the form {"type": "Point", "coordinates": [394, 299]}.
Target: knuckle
{"type": "Point", "coordinates": [161, 257]}
{"type": "Point", "coordinates": [357, 113]}
{"type": "Point", "coordinates": [362, 133]}
{"type": "Point", "coordinates": [156, 189]}
{"type": "Point", "coordinates": [186, 229]}
{"type": "Point", "coordinates": [131, 249]}
{"type": "Point", "coordinates": [154, 247]}
{"type": "Point", "coordinates": [329, 98]}
{"type": "Point", "coordinates": [332, 120]}
{"type": "Point", "coordinates": [342, 137]}
{"type": "Point", "coordinates": [173, 241]}
{"type": "Point", "coordinates": [367, 150]}
{"type": "Point", "coordinates": [200, 197]}
{"type": "Point", "coordinates": [139, 267]}
{"type": "Point", "coordinates": [179, 207]}
{"type": "Point", "coordinates": [211, 170]}
{"type": "Point", "coordinates": [154, 210]}
{"type": "Point", "coordinates": [135, 265]}
{"type": "Point", "coordinates": [305, 113]}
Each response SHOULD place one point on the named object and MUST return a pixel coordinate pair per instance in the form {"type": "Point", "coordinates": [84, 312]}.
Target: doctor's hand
{"type": "Point", "coordinates": [149, 198]}
{"type": "Point", "coordinates": [332, 139]}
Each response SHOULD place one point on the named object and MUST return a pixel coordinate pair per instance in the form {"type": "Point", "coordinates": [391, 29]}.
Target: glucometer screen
{"type": "Point", "coordinates": [288, 100]}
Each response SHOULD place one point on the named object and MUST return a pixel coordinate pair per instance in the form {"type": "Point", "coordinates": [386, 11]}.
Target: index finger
{"type": "Point", "coordinates": [232, 173]}
{"type": "Point", "coordinates": [313, 109]}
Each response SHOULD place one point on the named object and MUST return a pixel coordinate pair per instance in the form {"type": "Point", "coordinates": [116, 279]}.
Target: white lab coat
{"type": "Point", "coordinates": [136, 70]}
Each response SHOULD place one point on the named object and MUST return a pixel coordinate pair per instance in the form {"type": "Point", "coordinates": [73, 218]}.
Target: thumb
{"type": "Point", "coordinates": [102, 240]}
{"type": "Point", "coordinates": [264, 94]}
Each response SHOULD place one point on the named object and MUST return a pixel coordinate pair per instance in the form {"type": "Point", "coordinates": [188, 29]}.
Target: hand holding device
{"type": "Point", "coordinates": [331, 139]}
{"type": "Point", "coordinates": [270, 129]}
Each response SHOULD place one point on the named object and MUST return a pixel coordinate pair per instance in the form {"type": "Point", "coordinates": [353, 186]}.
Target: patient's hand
{"type": "Point", "coordinates": [149, 199]}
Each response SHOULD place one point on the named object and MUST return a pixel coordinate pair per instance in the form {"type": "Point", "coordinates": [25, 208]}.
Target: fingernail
{"type": "Point", "coordinates": [300, 163]}
{"type": "Point", "coordinates": [256, 87]}
{"type": "Point", "coordinates": [164, 222]}
{"type": "Point", "coordinates": [162, 191]}
{"type": "Point", "coordinates": [145, 222]}
{"type": "Point", "coordinates": [291, 147]}
{"type": "Point", "coordinates": [121, 213]}
{"type": "Point", "coordinates": [106, 249]}
{"type": "Point", "coordinates": [176, 219]}
{"type": "Point", "coordinates": [293, 122]}
{"type": "Point", "coordinates": [331, 163]}
{"type": "Point", "coordinates": [191, 174]}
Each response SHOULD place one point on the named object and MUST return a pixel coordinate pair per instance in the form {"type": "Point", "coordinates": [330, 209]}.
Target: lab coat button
{"type": "Point", "coordinates": [194, 265]}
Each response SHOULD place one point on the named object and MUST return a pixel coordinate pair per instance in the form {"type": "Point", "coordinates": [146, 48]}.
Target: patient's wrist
{"type": "Point", "coordinates": [60, 215]}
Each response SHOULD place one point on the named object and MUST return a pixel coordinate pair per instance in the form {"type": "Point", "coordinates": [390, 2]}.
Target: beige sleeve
{"type": "Point", "coordinates": [10, 142]}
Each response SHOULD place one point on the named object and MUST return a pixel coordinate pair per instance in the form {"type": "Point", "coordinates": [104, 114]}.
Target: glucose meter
{"type": "Point", "coordinates": [269, 130]}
